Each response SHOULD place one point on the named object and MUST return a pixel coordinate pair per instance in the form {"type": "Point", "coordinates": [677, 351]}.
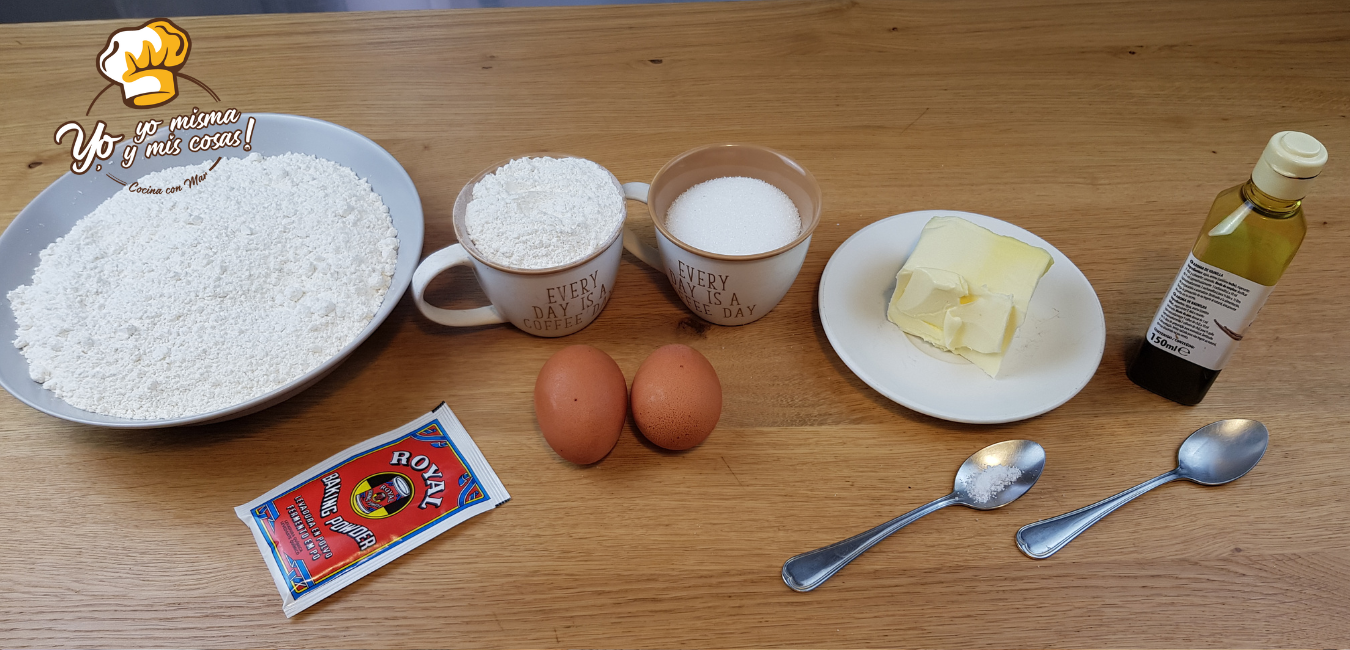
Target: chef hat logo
{"type": "Point", "coordinates": [145, 61]}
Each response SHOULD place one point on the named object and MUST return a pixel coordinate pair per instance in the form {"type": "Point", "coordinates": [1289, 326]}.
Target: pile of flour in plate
{"type": "Point", "coordinates": [538, 213]}
{"type": "Point", "coordinates": [173, 305]}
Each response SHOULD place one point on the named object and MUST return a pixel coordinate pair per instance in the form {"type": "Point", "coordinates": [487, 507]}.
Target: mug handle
{"type": "Point", "coordinates": [631, 243]}
{"type": "Point", "coordinates": [435, 264]}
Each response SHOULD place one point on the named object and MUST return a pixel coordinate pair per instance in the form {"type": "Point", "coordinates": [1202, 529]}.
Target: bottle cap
{"type": "Point", "coordinates": [1289, 164]}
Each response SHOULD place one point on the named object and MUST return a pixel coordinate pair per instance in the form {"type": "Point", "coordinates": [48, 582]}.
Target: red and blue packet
{"type": "Point", "coordinates": [367, 505]}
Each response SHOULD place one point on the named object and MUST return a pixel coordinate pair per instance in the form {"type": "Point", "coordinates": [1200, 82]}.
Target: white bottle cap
{"type": "Point", "coordinates": [1289, 164]}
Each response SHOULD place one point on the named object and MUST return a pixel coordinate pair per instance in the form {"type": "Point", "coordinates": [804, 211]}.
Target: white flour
{"type": "Point", "coordinates": [538, 213]}
{"type": "Point", "coordinates": [165, 306]}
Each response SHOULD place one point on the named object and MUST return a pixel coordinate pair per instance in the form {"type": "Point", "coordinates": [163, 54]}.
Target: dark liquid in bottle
{"type": "Point", "coordinates": [1171, 376]}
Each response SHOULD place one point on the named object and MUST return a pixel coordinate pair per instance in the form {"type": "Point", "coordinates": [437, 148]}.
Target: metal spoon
{"type": "Point", "coordinates": [1215, 454]}
{"type": "Point", "coordinates": [808, 570]}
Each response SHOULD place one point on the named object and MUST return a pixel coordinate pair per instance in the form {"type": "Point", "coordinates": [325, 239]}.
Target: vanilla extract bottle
{"type": "Point", "coordinates": [1248, 240]}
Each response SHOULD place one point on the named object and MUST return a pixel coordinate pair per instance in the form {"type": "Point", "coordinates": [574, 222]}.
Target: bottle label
{"type": "Point", "coordinates": [1205, 314]}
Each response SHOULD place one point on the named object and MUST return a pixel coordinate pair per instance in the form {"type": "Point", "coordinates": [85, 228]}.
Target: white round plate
{"type": "Point", "coordinates": [70, 198]}
{"type": "Point", "coordinates": [1053, 355]}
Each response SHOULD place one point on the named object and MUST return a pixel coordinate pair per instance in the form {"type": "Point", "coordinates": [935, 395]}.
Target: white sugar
{"type": "Point", "coordinates": [538, 213]}
{"type": "Point", "coordinates": [990, 481]}
{"type": "Point", "coordinates": [734, 215]}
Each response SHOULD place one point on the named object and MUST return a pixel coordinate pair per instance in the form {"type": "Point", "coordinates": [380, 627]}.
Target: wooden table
{"type": "Point", "coordinates": [1106, 128]}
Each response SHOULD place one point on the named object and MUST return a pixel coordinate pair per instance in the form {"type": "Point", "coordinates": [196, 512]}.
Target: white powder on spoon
{"type": "Point", "coordinates": [990, 481]}
{"type": "Point", "coordinates": [734, 215]}
{"type": "Point", "coordinates": [172, 305]}
{"type": "Point", "coordinates": [538, 213]}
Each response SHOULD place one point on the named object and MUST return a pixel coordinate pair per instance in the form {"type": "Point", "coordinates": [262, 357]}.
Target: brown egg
{"type": "Point", "coordinates": [677, 397]}
{"type": "Point", "coordinates": [581, 401]}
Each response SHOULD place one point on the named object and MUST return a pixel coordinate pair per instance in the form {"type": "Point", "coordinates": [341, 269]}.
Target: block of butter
{"type": "Point", "coordinates": [966, 289]}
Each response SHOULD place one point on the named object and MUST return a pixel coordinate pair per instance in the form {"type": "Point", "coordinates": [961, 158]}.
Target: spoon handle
{"type": "Point", "coordinates": [808, 570]}
{"type": "Point", "coordinates": [1044, 538]}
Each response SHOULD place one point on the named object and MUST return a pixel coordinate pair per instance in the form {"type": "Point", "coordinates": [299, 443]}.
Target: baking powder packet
{"type": "Point", "coordinates": [365, 506]}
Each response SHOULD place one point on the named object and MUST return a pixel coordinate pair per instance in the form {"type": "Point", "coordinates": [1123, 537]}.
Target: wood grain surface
{"type": "Point", "coordinates": [1104, 127]}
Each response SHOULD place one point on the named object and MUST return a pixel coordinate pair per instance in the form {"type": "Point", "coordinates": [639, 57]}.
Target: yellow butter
{"type": "Point", "coordinates": [984, 324]}
{"type": "Point", "coordinates": [966, 289]}
{"type": "Point", "coordinates": [921, 309]}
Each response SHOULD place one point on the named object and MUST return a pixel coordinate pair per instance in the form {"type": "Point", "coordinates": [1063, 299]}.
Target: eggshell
{"type": "Point", "coordinates": [581, 401]}
{"type": "Point", "coordinates": [677, 397]}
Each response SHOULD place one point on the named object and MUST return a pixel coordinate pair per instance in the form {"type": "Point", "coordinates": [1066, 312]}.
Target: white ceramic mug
{"type": "Point", "coordinates": [545, 302]}
{"type": "Point", "coordinates": [726, 289]}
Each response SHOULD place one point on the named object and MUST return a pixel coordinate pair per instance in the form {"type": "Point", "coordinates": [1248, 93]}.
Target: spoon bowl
{"type": "Point", "coordinates": [1026, 456]}
{"type": "Point", "coordinates": [1222, 451]}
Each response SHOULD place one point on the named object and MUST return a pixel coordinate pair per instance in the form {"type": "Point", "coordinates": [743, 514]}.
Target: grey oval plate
{"type": "Point", "coordinates": [54, 212]}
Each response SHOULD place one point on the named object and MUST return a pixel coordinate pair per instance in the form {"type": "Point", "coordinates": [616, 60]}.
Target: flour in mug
{"type": "Point", "coordinates": [184, 303]}
{"type": "Point", "coordinates": [538, 213]}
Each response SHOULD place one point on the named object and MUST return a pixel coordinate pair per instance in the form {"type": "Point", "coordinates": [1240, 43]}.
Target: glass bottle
{"type": "Point", "coordinates": [1248, 240]}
